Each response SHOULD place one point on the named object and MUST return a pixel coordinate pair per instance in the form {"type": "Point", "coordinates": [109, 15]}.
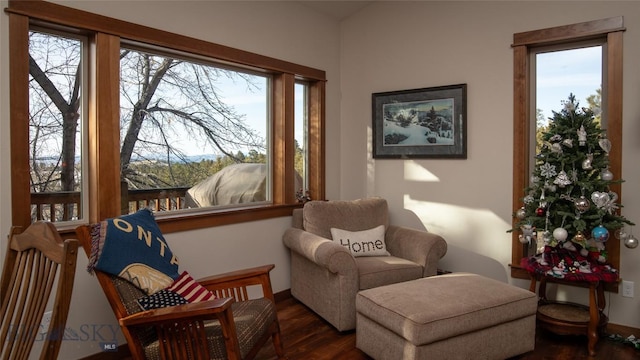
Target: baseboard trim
{"type": "Point", "coordinates": [282, 295]}
{"type": "Point", "coordinates": [624, 331]}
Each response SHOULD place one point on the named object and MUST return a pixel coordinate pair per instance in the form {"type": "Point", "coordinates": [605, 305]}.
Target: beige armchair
{"type": "Point", "coordinates": [326, 276]}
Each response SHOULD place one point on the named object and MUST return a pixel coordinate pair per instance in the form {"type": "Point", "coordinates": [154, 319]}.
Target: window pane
{"type": "Point", "coordinates": [301, 121]}
{"type": "Point", "coordinates": [55, 117]}
{"type": "Point", "coordinates": [564, 72]}
{"type": "Point", "coordinates": [192, 134]}
{"type": "Point", "coordinates": [559, 73]}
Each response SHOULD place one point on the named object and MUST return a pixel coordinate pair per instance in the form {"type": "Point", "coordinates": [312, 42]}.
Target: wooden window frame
{"type": "Point", "coordinates": [611, 30]}
{"type": "Point", "coordinates": [105, 36]}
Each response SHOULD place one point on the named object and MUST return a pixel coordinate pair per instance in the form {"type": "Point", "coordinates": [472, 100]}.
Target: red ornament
{"type": "Point", "coordinates": [540, 211]}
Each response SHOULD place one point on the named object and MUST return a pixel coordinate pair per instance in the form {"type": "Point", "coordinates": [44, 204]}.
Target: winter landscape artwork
{"type": "Point", "coordinates": [420, 123]}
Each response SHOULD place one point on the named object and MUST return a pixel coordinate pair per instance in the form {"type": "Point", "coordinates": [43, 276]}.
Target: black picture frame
{"type": "Point", "coordinates": [428, 123]}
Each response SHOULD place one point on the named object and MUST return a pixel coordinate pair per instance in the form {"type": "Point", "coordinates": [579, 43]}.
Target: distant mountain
{"type": "Point", "coordinates": [189, 158]}
{"type": "Point", "coordinates": [50, 160]}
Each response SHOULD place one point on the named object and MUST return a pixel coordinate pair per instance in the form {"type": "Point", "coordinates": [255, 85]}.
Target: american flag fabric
{"type": "Point", "coordinates": [190, 289]}
{"type": "Point", "coordinates": [160, 299]}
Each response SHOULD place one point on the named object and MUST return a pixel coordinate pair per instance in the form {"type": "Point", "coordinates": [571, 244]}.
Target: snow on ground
{"type": "Point", "coordinates": [415, 135]}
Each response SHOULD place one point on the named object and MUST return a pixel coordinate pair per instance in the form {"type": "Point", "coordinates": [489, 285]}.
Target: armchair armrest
{"type": "Point", "coordinates": [321, 251]}
{"type": "Point", "coordinates": [419, 246]}
{"type": "Point", "coordinates": [234, 283]}
{"type": "Point", "coordinates": [203, 310]}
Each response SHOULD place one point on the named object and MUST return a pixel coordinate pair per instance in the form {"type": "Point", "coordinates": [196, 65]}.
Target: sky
{"type": "Point", "coordinates": [559, 73]}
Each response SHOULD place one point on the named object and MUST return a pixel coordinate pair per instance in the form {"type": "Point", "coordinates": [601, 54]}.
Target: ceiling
{"type": "Point", "coordinates": [334, 8]}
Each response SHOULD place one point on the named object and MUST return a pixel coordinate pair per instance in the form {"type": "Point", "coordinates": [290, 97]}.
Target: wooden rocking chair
{"type": "Point", "coordinates": [230, 327]}
{"type": "Point", "coordinates": [29, 273]}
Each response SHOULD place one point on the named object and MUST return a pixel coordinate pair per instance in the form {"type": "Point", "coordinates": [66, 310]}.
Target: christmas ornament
{"type": "Point", "coordinates": [540, 211]}
{"type": "Point", "coordinates": [556, 148]}
{"type": "Point", "coordinates": [605, 144]}
{"type": "Point", "coordinates": [586, 163]}
{"type": "Point", "coordinates": [582, 204]}
{"type": "Point", "coordinates": [527, 234]}
{"type": "Point", "coordinates": [562, 179]}
{"type": "Point", "coordinates": [606, 175]}
{"type": "Point", "coordinates": [582, 136]}
{"type": "Point", "coordinates": [560, 234]}
{"type": "Point", "coordinates": [547, 170]}
{"type": "Point", "coordinates": [521, 213]}
{"type": "Point", "coordinates": [579, 238]}
{"type": "Point", "coordinates": [631, 242]}
{"type": "Point", "coordinates": [528, 199]}
{"type": "Point", "coordinates": [568, 143]}
{"type": "Point", "coordinates": [605, 201]}
{"type": "Point", "coordinates": [621, 234]}
{"type": "Point", "coordinates": [541, 241]}
{"type": "Point", "coordinates": [600, 233]}
{"type": "Point", "coordinates": [573, 175]}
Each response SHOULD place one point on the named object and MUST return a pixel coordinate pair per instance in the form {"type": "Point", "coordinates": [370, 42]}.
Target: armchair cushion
{"type": "Point", "coordinates": [374, 271]}
{"type": "Point", "coordinates": [362, 243]}
{"type": "Point", "coordinates": [320, 216]}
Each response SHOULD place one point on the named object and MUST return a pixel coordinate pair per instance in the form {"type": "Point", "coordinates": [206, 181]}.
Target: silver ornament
{"type": "Point", "coordinates": [605, 144]}
{"type": "Point", "coordinates": [606, 175]}
{"type": "Point", "coordinates": [521, 213]}
{"type": "Point", "coordinates": [631, 242]}
{"type": "Point", "coordinates": [562, 179]}
{"type": "Point", "coordinates": [582, 204]}
{"type": "Point", "coordinates": [582, 136]}
{"type": "Point", "coordinates": [605, 201]}
{"type": "Point", "coordinates": [622, 235]}
{"type": "Point", "coordinates": [586, 164]}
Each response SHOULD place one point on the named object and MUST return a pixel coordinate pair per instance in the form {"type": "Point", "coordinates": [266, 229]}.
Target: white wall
{"type": "Point", "coordinates": [406, 45]}
{"type": "Point", "coordinates": [283, 30]}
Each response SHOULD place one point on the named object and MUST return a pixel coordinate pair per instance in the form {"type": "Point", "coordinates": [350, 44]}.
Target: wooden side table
{"type": "Point", "coordinates": [564, 318]}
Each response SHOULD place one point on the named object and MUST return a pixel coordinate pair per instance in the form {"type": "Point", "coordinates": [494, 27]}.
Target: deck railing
{"type": "Point", "coordinates": [66, 205]}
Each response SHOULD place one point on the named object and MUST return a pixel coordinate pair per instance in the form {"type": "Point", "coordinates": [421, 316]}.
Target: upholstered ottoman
{"type": "Point", "coordinates": [453, 316]}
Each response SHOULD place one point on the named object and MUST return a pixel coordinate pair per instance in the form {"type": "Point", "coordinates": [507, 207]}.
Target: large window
{"type": "Point", "coordinates": [56, 117]}
{"type": "Point", "coordinates": [122, 116]}
{"type": "Point", "coordinates": [536, 54]}
{"type": "Point", "coordinates": [192, 134]}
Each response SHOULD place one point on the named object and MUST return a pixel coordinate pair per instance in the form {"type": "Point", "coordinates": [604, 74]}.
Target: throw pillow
{"type": "Point", "coordinates": [133, 248]}
{"type": "Point", "coordinates": [362, 243]}
{"type": "Point", "coordinates": [190, 289]}
{"type": "Point", "coordinates": [160, 299]}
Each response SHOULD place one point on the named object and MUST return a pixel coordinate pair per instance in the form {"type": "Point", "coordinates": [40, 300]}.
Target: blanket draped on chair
{"type": "Point", "coordinates": [133, 248]}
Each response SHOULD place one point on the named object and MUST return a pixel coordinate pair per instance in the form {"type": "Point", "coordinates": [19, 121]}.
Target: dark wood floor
{"type": "Point", "coordinates": [307, 336]}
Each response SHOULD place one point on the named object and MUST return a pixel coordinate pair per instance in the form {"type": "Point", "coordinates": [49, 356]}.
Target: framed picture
{"type": "Point", "coordinates": [421, 123]}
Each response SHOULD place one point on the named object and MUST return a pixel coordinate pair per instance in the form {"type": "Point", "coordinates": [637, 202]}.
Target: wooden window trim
{"type": "Point", "coordinates": [611, 29]}
{"type": "Point", "coordinates": [104, 183]}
